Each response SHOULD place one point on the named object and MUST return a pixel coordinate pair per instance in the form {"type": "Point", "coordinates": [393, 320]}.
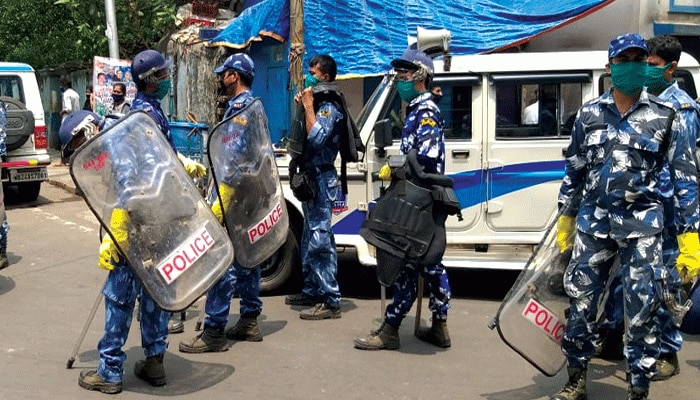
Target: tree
{"type": "Point", "coordinates": [50, 32]}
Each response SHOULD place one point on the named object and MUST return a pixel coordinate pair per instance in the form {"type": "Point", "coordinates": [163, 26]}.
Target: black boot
{"type": "Point", "coordinates": [575, 388]}
{"type": "Point", "coordinates": [4, 262]}
{"type": "Point", "coordinates": [437, 334]}
{"type": "Point", "coordinates": [637, 393]}
{"type": "Point", "coordinates": [151, 370]}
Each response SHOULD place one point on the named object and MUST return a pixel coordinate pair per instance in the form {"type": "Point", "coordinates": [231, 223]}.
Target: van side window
{"type": "Point", "coordinates": [540, 106]}
{"type": "Point", "coordinates": [456, 104]}
{"type": "Point", "coordinates": [11, 86]}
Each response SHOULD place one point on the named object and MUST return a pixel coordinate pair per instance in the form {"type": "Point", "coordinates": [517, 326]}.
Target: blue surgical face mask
{"type": "Point", "coordinates": [407, 91]}
{"type": "Point", "coordinates": [629, 77]}
{"type": "Point", "coordinates": [655, 82]}
{"type": "Point", "coordinates": [163, 89]}
{"type": "Point", "coordinates": [310, 80]}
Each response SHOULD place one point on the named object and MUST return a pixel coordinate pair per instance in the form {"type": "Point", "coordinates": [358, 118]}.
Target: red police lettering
{"type": "Point", "coordinates": [185, 255]}
{"type": "Point", "coordinates": [544, 319]}
{"type": "Point", "coordinates": [266, 225]}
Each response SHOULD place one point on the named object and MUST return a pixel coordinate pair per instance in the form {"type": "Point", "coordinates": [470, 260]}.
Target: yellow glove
{"type": "Point", "coordinates": [118, 225]}
{"type": "Point", "coordinates": [221, 204]}
{"type": "Point", "coordinates": [193, 168]}
{"type": "Point", "coordinates": [688, 262]}
{"type": "Point", "coordinates": [108, 251]}
{"type": "Point", "coordinates": [385, 172]}
{"type": "Point", "coordinates": [566, 225]}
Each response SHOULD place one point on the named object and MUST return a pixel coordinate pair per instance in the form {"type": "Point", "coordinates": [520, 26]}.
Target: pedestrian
{"type": "Point", "coordinates": [70, 103]}
{"type": "Point", "coordinates": [119, 105]}
{"type": "Point", "coordinates": [423, 131]}
{"type": "Point", "coordinates": [619, 145]}
{"type": "Point", "coordinates": [150, 71]}
{"type": "Point", "coordinates": [319, 261]}
{"type": "Point", "coordinates": [664, 54]}
{"type": "Point", "coordinates": [4, 227]}
{"type": "Point", "coordinates": [236, 74]}
{"type": "Point", "coordinates": [89, 104]}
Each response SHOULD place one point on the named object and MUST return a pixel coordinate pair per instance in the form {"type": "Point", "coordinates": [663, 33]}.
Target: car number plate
{"type": "Point", "coordinates": [28, 175]}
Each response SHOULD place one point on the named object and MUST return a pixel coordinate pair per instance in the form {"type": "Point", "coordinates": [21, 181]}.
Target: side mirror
{"type": "Point", "coordinates": [382, 133]}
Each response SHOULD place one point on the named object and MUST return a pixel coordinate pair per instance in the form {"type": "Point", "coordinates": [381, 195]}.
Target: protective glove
{"type": "Point", "coordinates": [385, 172]}
{"type": "Point", "coordinates": [193, 168]}
{"type": "Point", "coordinates": [565, 232]}
{"type": "Point", "coordinates": [118, 225]}
{"type": "Point", "coordinates": [688, 262]}
{"type": "Point", "coordinates": [221, 204]}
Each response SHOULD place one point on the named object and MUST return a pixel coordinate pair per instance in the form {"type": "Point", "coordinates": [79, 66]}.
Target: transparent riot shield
{"type": "Point", "coordinates": [248, 186]}
{"type": "Point", "coordinates": [531, 318]}
{"type": "Point", "coordinates": [133, 182]}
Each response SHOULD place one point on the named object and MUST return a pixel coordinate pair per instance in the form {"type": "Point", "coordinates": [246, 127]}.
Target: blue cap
{"type": "Point", "coordinates": [409, 59]}
{"type": "Point", "coordinates": [626, 42]}
{"type": "Point", "coordinates": [239, 62]}
{"type": "Point", "coordinates": [74, 123]}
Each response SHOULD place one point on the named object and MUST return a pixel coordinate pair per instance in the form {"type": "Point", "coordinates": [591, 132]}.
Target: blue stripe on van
{"type": "Point", "coordinates": [470, 187]}
{"type": "Point", "coordinates": [16, 68]}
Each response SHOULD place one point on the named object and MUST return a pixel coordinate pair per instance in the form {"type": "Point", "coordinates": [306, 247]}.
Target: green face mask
{"type": "Point", "coordinates": [407, 91]}
{"type": "Point", "coordinates": [655, 82]}
{"type": "Point", "coordinates": [310, 80]}
{"type": "Point", "coordinates": [629, 77]}
{"type": "Point", "coordinates": [163, 89]}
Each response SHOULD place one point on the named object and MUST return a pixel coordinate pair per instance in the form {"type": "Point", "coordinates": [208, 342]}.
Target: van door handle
{"type": "Point", "coordinates": [460, 153]}
{"type": "Point", "coordinates": [563, 151]}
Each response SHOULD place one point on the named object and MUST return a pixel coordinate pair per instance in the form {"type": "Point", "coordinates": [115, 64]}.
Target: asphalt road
{"type": "Point", "coordinates": [48, 291]}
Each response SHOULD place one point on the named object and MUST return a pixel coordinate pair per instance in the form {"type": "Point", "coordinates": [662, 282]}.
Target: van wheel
{"type": "Point", "coordinates": [277, 271]}
{"type": "Point", "coordinates": [28, 192]}
{"type": "Point", "coordinates": [20, 123]}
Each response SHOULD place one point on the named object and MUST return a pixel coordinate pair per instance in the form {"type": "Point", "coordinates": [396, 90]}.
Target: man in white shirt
{"type": "Point", "coordinates": [70, 104]}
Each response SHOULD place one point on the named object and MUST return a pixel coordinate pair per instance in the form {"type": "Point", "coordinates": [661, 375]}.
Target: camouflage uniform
{"type": "Point", "coordinates": [618, 161]}
{"type": "Point", "coordinates": [671, 339]}
{"type": "Point", "coordinates": [318, 254]}
{"type": "Point", "coordinates": [244, 281]}
{"type": "Point", "coordinates": [122, 288]}
{"type": "Point", "coordinates": [4, 228]}
{"type": "Point", "coordinates": [423, 131]}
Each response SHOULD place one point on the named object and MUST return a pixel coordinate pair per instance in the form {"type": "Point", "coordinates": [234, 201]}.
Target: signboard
{"type": "Point", "coordinates": [105, 73]}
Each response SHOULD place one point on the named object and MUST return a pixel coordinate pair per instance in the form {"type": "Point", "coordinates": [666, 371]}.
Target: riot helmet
{"type": "Point", "coordinates": [79, 126]}
{"type": "Point", "coordinates": [145, 64]}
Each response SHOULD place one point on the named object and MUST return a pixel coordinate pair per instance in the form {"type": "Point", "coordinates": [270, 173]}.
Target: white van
{"type": "Point", "coordinates": [27, 140]}
{"type": "Point", "coordinates": [507, 168]}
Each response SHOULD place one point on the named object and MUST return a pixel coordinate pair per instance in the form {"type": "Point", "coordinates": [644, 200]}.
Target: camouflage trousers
{"type": "Point", "coordinates": [405, 291]}
{"type": "Point", "coordinates": [120, 291]}
{"type": "Point", "coordinates": [241, 280]}
{"type": "Point", "coordinates": [585, 281]}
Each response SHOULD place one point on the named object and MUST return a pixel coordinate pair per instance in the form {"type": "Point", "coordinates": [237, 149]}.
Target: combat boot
{"type": "Point", "coordinates": [245, 329]}
{"type": "Point", "coordinates": [91, 380]}
{"type": "Point", "coordinates": [437, 334]}
{"type": "Point", "coordinates": [151, 370]}
{"type": "Point", "coordinates": [666, 367]}
{"type": "Point", "coordinates": [210, 340]}
{"type": "Point", "coordinates": [4, 262]}
{"type": "Point", "coordinates": [575, 388]}
{"type": "Point", "coordinates": [637, 393]}
{"type": "Point", "coordinates": [386, 337]}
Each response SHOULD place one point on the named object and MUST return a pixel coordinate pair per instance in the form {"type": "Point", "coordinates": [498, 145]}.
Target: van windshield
{"type": "Point", "coordinates": [372, 101]}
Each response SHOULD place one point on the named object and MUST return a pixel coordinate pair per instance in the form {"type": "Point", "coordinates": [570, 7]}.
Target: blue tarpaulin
{"type": "Point", "coordinates": [365, 35]}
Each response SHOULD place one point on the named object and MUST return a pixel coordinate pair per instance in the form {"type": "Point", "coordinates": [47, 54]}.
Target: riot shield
{"type": "Point", "coordinates": [241, 157]}
{"type": "Point", "coordinates": [133, 182]}
{"type": "Point", "coordinates": [531, 318]}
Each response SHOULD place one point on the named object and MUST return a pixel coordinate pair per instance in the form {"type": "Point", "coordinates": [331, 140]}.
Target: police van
{"type": "Point", "coordinates": [508, 120]}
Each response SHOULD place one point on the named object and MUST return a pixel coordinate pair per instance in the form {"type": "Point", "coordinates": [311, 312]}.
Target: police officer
{"type": "Point", "coordinates": [236, 74]}
{"type": "Point", "coordinates": [318, 254]}
{"type": "Point", "coordinates": [4, 228]}
{"type": "Point", "coordinates": [424, 132]}
{"type": "Point", "coordinates": [150, 71]}
{"type": "Point", "coordinates": [619, 145]}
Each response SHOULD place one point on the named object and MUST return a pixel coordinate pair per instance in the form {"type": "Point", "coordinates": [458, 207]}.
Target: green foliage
{"type": "Point", "coordinates": [44, 33]}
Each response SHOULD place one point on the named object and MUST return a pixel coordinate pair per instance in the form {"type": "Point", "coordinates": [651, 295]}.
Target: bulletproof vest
{"type": "Point", "coordinates": [407, 225]}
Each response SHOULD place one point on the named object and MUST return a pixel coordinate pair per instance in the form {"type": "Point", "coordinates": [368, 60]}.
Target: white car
{"type": "Point", "coordinates": [27, 141]}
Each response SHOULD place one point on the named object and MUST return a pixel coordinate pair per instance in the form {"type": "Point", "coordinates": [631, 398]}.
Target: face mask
{"type": "Point", "coordinates": [406, 90]}
{"type": "Point", "coordinates": [437, 98]}
{"type": "Point", "coordinates": [628, 77]}
{"type": "Point", "coordinates": [118, 98]}
{"type": "Point", "coordinates": [655, 82]}
{"type": "Point", "coordinates": [310, 80]}
{"type": "Point", "coordinates": [163, 89]}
